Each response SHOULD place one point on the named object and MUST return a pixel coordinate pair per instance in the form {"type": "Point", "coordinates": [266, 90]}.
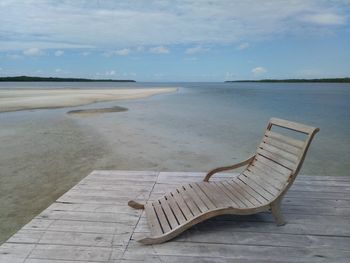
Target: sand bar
{"type": "Point", "coordinates": [19, 99]}
{"type": "Point", "coordinates": [89, 112]}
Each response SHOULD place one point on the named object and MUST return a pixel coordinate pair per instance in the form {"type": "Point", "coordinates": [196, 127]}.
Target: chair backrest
{"type": "Point", "coordinates": [279, 156]}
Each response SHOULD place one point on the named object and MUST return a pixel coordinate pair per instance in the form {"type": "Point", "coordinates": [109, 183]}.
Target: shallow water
{"type": "Point", "coordinates": [45, 152]}
{"type": "Point", "coordinates": [209, 124]}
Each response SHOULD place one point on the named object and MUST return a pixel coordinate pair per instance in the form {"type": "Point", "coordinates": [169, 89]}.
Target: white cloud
{"type": "Point", "coordinates": [0, 69]}
{"type": "Point", "coordinates": [196, 49]}
{"type": "Point", "coordinates": [59, 53]}
{"type": "Point", "coordinates": [117, 24]}
{"type": "Point", "coordinates": [243, 46]}
{"type": "Point", "coordinates": [159, 50]}
{"type": "Point", "coordinates": [258, 71]}
{"type": "Point", "coordinates": [58, 70]}
{"type": "Point", "coordinates": [86, 53]}
{"type": "Point", "coordinates": [325, 19]}
{"type": "Point", "coordinates": [34, 51]}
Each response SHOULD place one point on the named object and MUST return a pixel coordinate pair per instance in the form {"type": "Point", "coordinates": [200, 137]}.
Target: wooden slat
{"type": "Point", "coordinates": [212, 195]}
{"type": "Point", "coordinates": [292, 125]}
{"type": "Point", "coordinates": [273, 161]}
{"type": "Point", "coordinates": [216, 197]}
{"type": "Point", "coordinates": [188, 199]}
{"type": "Point", "coordinates": [152, 220]}
{"type": "Point", "coordinates": [182, 205]}
{"type": "Point", "coordinates": [175, 208]}
{"type": "Point", "coordinates": [274, 178]}
{"type": "Point", "coordinates": [168, 213]}
{"type": "Point", "coordinates": [276, 158]}
{"type": "Point", "coordinates": [265, 190]}
{"type": "Point", "coordinates": [268, 185]}
{"type": "Point", "coordinates": [243, 193]}
{"type": "Point", "coordinates": [227, 201]}
{"type": "Point", "coordinates": [271, 168]}
{"type": "Point", "coordinates": [203, 196]}
{"type": "Point", "coordinates": [257, 190]}
{"type": "Point", "coordinates": [281, 145]}
{"type": "Point", "coordinates": [161, 217]}
{"type": "Point", "coordinates": [234, 199]}
{"type": "Point", "coordinates": [237, 193]}
{"type": "Point", "coordinates": [285, 139]}
{"type": "Point", "coordinates": [256, 187]}
{"type": "Point", "coordinates": [250, 191]}
{"type": "Point", "coordinates": [286, 155]}
{"type": "Point", "coordinates": [200, 204]}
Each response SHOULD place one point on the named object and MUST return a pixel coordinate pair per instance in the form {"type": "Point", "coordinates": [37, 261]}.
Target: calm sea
{"type": "Point", "coordinates": [227, 119]}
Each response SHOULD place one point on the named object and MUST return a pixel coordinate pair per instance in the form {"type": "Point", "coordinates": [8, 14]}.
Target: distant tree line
{"type": "Point", "coordinates": [27, 78]}
{"type": "Point", "coordinates": [326, 80]}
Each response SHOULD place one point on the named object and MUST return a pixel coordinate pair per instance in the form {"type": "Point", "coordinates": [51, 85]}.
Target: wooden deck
{"type": "Point", "coordinates": [92, 223]}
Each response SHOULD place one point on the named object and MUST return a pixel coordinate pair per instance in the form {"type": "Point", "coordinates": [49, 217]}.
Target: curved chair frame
{"type": "Point", "coordinates": [254, 190]}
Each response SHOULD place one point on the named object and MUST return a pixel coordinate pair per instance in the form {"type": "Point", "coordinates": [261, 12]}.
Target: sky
{"type": "Point", "coordinates": [154, 40]}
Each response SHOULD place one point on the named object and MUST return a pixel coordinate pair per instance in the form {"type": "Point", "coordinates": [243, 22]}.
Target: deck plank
{"type": "Point", "coordinates": [152, 220]}
{"type": "Point", "coordinates": [92, 223]}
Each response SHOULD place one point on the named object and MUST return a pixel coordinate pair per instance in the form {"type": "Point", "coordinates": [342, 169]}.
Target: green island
{"type": "Point", "coordinates": [325, 80]}
{"type": "Point", "coordinates": [28, 78]}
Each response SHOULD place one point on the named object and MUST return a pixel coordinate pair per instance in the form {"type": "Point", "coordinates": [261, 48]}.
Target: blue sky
{"type": "Point", "coordinates": [175, 40]}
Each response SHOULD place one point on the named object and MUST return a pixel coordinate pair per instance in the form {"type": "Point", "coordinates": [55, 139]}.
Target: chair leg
{"type": "Point", "coordinates": [276, 212]}
{"type": "Point", "coordinates": [135, 205]}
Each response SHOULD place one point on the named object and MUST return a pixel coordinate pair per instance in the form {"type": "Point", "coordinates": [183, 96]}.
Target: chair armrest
{"type": "Point", "coordinates": [225, 168]}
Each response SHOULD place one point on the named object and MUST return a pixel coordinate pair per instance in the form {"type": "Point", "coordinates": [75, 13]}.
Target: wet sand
{"type": "Point", "coordinates": [19, 99]}
{"type": "Point", "coordinates": [42, 155]}
{"type": "Point", "coordinates": [91, 112]}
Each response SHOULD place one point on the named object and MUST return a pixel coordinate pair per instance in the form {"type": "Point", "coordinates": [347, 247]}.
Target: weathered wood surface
{"type": "Point", "coordinates": [92, 223]}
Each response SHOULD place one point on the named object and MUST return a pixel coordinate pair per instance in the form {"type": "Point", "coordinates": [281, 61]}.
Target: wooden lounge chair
{"type": "Point", "coordinates": [260, 187]}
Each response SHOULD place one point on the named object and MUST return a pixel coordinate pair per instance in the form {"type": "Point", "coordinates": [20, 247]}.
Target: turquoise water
{"type": "Point", "coordinates": [228, 119]}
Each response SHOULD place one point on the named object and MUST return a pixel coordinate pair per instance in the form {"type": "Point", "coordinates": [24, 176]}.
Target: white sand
{"type": "Point", "coordinates": [17, 99]}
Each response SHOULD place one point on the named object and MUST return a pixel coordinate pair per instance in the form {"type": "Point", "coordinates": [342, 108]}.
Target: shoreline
{"type": "Point", "coordinates": [33, 99]}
